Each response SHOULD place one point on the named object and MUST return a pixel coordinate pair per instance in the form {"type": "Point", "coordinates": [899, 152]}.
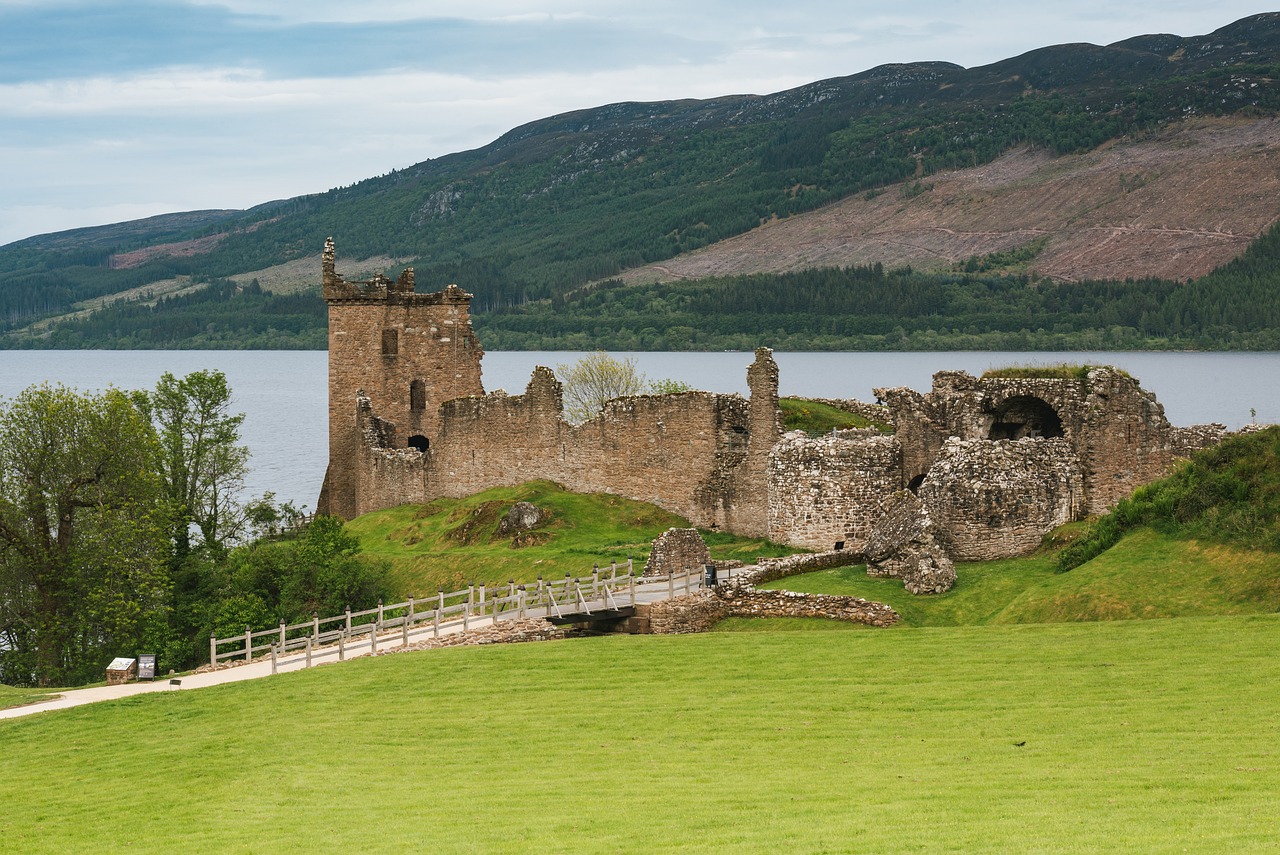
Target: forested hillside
{"type": "Point", "coordinates": [580, 197]}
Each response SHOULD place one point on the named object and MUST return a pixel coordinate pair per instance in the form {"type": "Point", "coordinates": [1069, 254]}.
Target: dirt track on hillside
{"type": "Point", "coordinates": [1174, 205]}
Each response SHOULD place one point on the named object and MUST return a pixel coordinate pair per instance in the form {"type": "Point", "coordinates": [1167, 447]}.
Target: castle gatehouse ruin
{"type": "Point", "coordinates": [991, 463]}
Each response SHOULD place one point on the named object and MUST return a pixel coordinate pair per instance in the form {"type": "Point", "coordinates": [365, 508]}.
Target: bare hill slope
{"type": "Point", "coordinates": [1174, 205]}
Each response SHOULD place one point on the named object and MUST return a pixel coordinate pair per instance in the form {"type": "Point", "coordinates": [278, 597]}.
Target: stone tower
{"type": "Point", "coordinates": [406, 352]}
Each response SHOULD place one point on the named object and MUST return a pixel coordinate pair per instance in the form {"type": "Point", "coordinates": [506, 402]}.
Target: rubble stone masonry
{"type": "Point", "coordinates": [996, 461]}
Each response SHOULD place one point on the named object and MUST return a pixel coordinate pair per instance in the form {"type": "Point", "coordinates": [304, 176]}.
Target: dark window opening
{"type": "Point", "coordinates": [914, 484]}
{"type": "Point", "coordinates": [419, 442]}
{"type": "Point", "coordinates": [390, 342]}
{"type": "Point", "coordinates": [1024, 416]}
{"type": "Point", "coordinates": [417, 395]}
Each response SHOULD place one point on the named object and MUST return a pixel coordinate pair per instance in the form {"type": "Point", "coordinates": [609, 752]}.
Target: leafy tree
{"type": "Point", "coordinates": [668, 386]}
{"type": "Point", "coordinates": [82, 545]}
{"type": "Point", "coordinates": [202, 462]}
{"type": "Point", "coordinates": [595, 379]}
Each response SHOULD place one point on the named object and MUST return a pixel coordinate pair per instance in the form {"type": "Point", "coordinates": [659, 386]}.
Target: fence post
{"type": "Point", "coordinates": [373, 640]}
{"type": "Point", "coordinates": [282, 644]}
{"type": "Point", "coordinates": [409, 617]}
{"type": "Point", "coordinates": [378, 625]}
{"type": "Point", "coordinates": [630, 568]}
{"type": "Point", "coordinates": [671, 584]}
{"type": "Point", "coordinates": [342, 647]}
{"type": "Point", "coordinates": [686, 580]}
{"type": "Point", "coordinates": [595, 581]}
{"type": "Point", "coordinates": [613, 570]}
{"type": "Point", "coordinates": [248, 644]}
{"type": "Point", "coordinates": [631, 586]}
{"type": "Point", "coordinates": [482, 600]}
{"type": "Point", "coordinates": [273, 659]}
{"type": "Point", "coordinates": [308, 665]}
{"type": "Point", "coordinates": [348, 629]}
{"type": "Point", "coordinates": [520, 603]}
{"type": "Point", "coordinates": [213, 649]}
{"type": "Point", "coordinates": [315, 626]}
{"type": "Point", "coordinates": [404, 632]}
{"type": "Point", "coordinates": [537, 601]}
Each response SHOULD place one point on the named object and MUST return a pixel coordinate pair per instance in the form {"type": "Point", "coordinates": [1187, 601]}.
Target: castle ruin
{"type": "Point", "coordinates": [994, 463]}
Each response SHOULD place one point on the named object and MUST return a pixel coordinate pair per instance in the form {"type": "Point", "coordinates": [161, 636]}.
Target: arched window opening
{"type": "Point", "coordinates": [419, 442]}
{"type": "Point", "coordinates": [417, 395]}
{"type": "Point", "coordinates": [1024, 416]}
{"type": "Point", "coordinates": [914, 484]}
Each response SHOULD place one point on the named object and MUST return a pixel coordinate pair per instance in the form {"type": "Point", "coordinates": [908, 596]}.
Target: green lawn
{"type": "Point", "coordinates": [1151, 736]}
{"type": "Point", "coordinates": [452, 542]}
{"type": "Point", "coordinates": [12, 697]}
{"type": "Point", "coordinates": [1146, 575]}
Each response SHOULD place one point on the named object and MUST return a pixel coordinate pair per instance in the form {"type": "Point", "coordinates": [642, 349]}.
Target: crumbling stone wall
{"type": "Point", "coordinates": [702, 610]}
{"type": "Point", "coordinates": [742, 602]}
{"type": "Point", "coordinates": [691, 453]}
{"type": "Point", "coordinates": [696, 612]}
{"type": "Point", "coordinates": [826, 490]}
{"type": "Point", "coordinates": [905, 545]}
{"type": "Point", "coordinates": [677, 550]}
{"type": "Point", "coordinates": [773, 569]}
{"type": "Point", "coordinates": [996, 499]}
{"type": "Point", "coordinates": [1116, 430]}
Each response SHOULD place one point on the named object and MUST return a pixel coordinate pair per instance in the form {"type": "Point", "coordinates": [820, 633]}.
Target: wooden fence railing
{"type": "Point", "coordinates": [603, 589]}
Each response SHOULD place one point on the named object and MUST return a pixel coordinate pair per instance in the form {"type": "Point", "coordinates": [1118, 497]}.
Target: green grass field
{"type": "Point", "coordinates": [452, 542]}
{"type": "Point", "coordinates": [1024, 711]}
{"type": "Point", "coordinates": [1151, 736]}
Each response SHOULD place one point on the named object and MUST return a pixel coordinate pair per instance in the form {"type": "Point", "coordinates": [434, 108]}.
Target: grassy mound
{"type": "Point", "coordinates": [450, 543]}
{"type": "Point", "coordinates": [817, 418]}
{"type": "Point", "coordinates": [1051, 738]}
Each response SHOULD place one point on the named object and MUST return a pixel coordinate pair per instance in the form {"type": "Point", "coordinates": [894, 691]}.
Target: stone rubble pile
{"type": "Point", "coordinates": [904, 545]}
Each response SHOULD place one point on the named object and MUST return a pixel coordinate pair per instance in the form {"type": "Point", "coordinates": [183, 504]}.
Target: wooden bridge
{"type": "Point", "coordinates": [605, 596]}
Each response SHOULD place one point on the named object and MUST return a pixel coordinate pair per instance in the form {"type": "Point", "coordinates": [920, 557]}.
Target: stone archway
{"type": "Point", "coordinates": [419, 442]}
{"type": "Point", "coordinates": [1025, 415]}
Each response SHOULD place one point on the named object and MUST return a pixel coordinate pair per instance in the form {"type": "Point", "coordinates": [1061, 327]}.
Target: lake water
{"type": "Point", "coordinates": [284, 395]}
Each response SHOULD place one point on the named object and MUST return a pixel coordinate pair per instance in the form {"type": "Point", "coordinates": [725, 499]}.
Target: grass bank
{"type": "Point", "coordinates": [1120, 736]}
{"type": "Point", "coordinates": [1148, 574]}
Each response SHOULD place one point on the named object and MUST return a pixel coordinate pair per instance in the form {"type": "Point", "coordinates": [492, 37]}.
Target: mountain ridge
{"type": "Point", "coordinates": [588, 194]}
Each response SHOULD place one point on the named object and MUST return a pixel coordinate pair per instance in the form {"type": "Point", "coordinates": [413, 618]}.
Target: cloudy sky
{"type": "Point", "coordinates": [116, 109]}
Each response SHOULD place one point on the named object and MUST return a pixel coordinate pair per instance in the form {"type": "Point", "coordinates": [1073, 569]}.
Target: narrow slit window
{"type": "Point", "coordinates": [417, 395]}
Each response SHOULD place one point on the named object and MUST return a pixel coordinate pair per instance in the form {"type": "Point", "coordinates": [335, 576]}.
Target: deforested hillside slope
{"type": "Point", "coordinates": [1174, 204]}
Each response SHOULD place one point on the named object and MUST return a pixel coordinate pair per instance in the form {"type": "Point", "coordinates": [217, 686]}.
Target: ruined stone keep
{"type": "Point", "coordinates": [995, 462]}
